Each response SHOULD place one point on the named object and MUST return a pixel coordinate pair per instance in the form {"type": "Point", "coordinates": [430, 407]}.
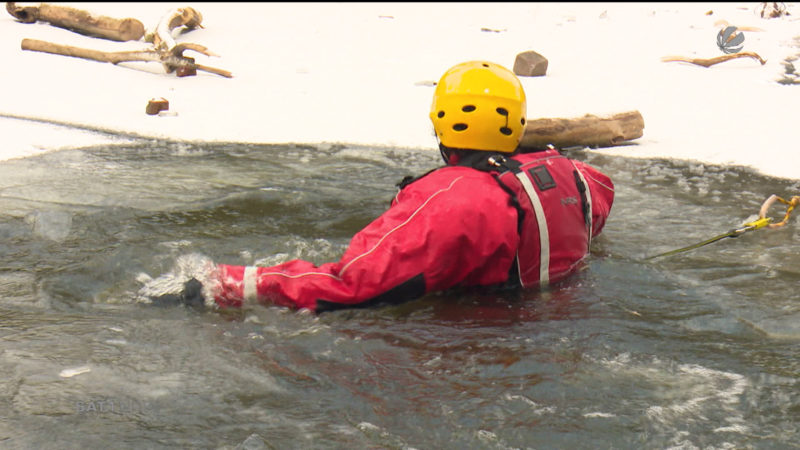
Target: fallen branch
{"type": "Point", "coordinates": [161, 36]}
{"type": "Point", "coordinates": [589, 131]}
{"type": "Point", "coordinates": [79, 21]}
{"type": "Point", "coordinates": [170, 60]}
{"type": "Point", "coordinates": [771, 10]}
{"type": "Point", "coordinates": [708, 62]}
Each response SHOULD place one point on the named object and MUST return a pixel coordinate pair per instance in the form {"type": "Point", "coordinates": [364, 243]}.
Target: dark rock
{"type": "Point", "coordinates": [530, 64]}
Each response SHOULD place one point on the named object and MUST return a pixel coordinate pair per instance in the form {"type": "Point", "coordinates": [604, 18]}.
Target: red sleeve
{"type": "Point", "coordinates": [454, 226]}
{"type": "Point", "coordinates": [602, 190]}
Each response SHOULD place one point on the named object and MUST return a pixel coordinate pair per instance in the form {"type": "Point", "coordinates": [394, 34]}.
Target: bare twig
{"type": "Point", "coordinates": [161, 36]}
{"type": "Point", "coordinates": [771, 10]}
{"type": "Point", "coordinates": [708, 62]}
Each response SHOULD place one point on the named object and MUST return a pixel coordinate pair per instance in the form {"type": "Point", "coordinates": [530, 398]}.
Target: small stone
{"type": "Point", "coordinates": [186, 71]}
{"type": "Point", "coordinates": [530, 64]}
{"type": "Point", "coordinates": [156, 105]}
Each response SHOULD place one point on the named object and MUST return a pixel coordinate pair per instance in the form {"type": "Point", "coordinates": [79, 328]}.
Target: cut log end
{"type": "Point", "coordinates": [131, 30]}
{"type": "Point", "coordinates": [79, 21]}
{"type": "Point", "coordinates": [25, 14]}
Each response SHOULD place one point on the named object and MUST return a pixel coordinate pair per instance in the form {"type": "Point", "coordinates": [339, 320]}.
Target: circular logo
{"type": "Point", "coordinates": [729, 40]}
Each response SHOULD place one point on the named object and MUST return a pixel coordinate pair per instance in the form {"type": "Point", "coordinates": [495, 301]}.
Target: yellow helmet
{"type": "Point", "coordinates": [479, 105]}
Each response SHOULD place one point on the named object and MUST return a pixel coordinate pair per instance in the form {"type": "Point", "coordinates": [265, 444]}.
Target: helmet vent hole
{"type": "Point", "coordinates": [460, 127]}
{"type": "Point", "coordinates": [522, 121]}
{"type": "Point", "coordinates": [502, 112]}
{"type": "Point", "coordinates": [468, 108]}
{"type": "Point", "coordinates": [505, 130]}
{"type": "Point", "coordinates": [440, 114]}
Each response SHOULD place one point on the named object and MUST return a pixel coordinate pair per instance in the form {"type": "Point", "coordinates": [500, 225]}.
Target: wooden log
{"type": "Point", "coordinates": [80, 21]}
{"type": "Point", "coordinates": [588, 131]}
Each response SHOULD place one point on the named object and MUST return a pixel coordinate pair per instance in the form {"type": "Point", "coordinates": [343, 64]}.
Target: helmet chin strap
{"type": "Point", "coordinates": [451, 156]}
{"type": "Point", "coordinates": [445, 152]}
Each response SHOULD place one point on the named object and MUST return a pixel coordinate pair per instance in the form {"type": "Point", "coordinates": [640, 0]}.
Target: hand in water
{"type": "Point", "coordinates": [191, 295]}
{"type": "Point", "coordinates": [190, 282]}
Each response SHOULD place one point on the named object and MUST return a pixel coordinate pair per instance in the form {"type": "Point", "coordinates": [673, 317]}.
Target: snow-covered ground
{"type": "Point", "coordinates": [362, 73]}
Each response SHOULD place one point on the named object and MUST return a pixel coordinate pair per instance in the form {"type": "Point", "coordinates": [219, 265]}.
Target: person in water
{"type": "Point", "coordinates": [491, 216]}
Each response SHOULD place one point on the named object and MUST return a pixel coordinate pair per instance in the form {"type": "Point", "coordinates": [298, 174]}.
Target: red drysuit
{"type": "Point", "coordinates": [455, 226]}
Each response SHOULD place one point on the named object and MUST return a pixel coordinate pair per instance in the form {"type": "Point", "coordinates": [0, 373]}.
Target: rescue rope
{"type": "Point", "coordinates": [762, 222]}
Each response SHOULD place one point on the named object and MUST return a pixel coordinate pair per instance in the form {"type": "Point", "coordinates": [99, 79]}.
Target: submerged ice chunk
{"type": "Point", "coordinates": [54, 225]}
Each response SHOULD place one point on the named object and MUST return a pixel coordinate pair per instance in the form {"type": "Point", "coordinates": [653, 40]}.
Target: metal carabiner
{"type": "Point", "coordinates": [758, 224]}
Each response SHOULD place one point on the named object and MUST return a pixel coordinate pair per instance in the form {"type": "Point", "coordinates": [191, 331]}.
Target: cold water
{"type": "Point", "coordinates": [697, 350]}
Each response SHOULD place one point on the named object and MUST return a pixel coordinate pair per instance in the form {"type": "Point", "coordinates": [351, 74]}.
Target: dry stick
{"type": "Point", "coordinates": [161, 36]}
{"type": "Point", "coordinates": [79, 21]}
{"type": "Point", "coordinates": [95, 55]}
{"type": "Point", "coordinates": [172, 59]}
{"type": "Point", "coordinates": [711, 61]}
{"type": "Point", "coordinates": [588, 131]}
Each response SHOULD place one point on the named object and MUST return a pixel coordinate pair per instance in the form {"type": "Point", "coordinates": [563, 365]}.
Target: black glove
{"type": "Point", "coordinates": [191, 296]}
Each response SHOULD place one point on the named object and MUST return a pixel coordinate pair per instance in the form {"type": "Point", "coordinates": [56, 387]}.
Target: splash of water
{"type": "Point", "coordinates": [195, 265]}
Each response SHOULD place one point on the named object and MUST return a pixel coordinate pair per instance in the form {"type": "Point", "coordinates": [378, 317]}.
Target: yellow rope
{"type": "Point", "coordinates": [794, 202]}
{"type": "Point", "coordinates": [762, 222]}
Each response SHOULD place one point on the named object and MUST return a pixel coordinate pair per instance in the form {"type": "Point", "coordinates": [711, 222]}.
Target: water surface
{"type": "Point", "coordinates": [698, 350]}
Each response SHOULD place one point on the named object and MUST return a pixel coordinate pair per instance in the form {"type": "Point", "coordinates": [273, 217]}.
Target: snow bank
{"type": "Point", "coordinates": [362, 73]}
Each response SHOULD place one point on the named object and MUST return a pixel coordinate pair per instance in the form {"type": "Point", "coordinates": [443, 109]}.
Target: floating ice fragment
{"type": "Point", "coordinates": [69, 373]}
{"type": "Point", "coordinates": [253, 442]}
